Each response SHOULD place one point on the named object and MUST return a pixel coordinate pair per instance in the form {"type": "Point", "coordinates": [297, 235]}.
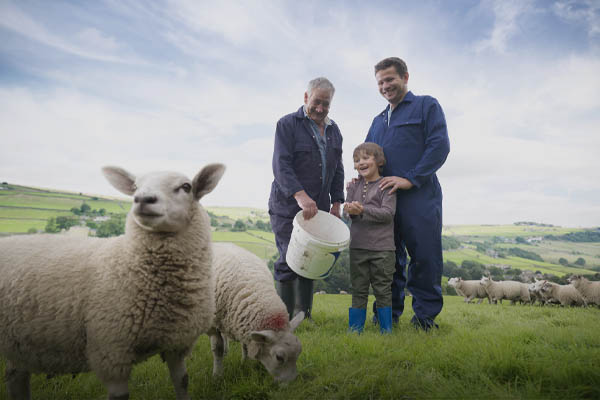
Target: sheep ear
{"type": "Point", "coordinates": [296, 320]}
{"type": "Point", "coordinates": [262, 336]}
{"type": "Point", "coordinates": [206, 180]}
{"type": "Point", "coordinates": [120, 179]}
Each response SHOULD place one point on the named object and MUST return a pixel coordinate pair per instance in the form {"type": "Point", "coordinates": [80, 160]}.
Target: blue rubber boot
{"type": "Point", "coordinates": [356, 319]}
{"type": "Point", "coordinates": [384, 315]}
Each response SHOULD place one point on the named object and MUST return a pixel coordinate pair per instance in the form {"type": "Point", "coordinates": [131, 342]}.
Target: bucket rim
{"type": "Point", "coordinates": [342, 243]}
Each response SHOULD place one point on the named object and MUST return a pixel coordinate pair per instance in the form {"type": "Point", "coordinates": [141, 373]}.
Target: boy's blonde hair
{"type": "Point", "coordinates": [370, 149]}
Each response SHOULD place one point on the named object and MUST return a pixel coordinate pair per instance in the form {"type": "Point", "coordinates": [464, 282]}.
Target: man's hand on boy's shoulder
{"type": "Point", "coordinates": [395, 183]}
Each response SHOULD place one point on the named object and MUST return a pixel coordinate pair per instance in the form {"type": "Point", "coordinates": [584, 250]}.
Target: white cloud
{"type": "Point", "coordinates": [522, 127]}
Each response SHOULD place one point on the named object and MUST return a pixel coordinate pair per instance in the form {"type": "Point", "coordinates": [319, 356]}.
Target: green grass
{"type": "Point", "coordinates": [258, 242]}
{"type": "Point", "coordinates": [20, 225]}
{"type": "Point", "coordinates": [480, 352]}
{"type": "Point", "coordinates": [466, 253]}
{"type": "Point", "coordinates": [507, 231]}
{"type": "Point", "coordinates": [242, 213]}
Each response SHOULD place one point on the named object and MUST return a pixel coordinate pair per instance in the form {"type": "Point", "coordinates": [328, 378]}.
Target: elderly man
{"type": "Point", "coordinates": [412, 131]}
{"type": "Point", "coordinates": [308, 176]}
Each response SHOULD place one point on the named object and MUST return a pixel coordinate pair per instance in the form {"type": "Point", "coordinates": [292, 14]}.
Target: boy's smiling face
{"type": "Point", "coordinates": [367, 167]}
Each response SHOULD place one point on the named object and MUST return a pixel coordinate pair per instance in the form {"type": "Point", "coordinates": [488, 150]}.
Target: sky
{"type": "Point", "coordinates": [175, 85]}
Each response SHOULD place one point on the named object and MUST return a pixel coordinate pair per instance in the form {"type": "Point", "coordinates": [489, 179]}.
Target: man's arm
{"type": "Point", "coordinates": [437, 144]}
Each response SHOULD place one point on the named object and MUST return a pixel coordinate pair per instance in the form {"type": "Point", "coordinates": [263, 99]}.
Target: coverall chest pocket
{"type": "Point", "coordinates": [304, 156]}
{"type": "Point", "coordinates": [408, 131]}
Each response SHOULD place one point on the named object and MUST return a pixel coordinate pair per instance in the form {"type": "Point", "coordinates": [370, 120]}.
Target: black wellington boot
{"type": "Point", "coordinates": [287, 291]}
{"type": "Point", "coordinates": [304, 296]}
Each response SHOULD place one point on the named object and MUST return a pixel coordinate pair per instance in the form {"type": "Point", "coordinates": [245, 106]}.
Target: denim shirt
{"type": "Point", "coordinates": [321, 142]}
{"type": "Point", "coordinates": [298, 165]}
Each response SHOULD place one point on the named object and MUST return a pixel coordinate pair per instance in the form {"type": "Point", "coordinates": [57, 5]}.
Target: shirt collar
{"type": "Point", "coordinates": [408, 98]}
{"type": "Point", "coordinates": [327, 120]}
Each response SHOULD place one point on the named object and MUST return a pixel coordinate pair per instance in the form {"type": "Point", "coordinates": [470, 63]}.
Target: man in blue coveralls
{"type": "Point", "coordinates": [309, 176]}
{"type": "Point", "coordinates": [412, 131]}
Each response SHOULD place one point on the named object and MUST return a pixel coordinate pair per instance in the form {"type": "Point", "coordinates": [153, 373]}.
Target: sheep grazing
{"type": "Point", "coordinates": [590, 291]}
{"type": "Point", "coordinates": [75, 304]}
{"type": "Point", "coordinates": [566, 295]}
{"type": "Point", "coordinates": [249, 310]}
{"type": "Point", "coordinates": [469, 289]}
{"type": "Point", "coordinates": [510, 290]}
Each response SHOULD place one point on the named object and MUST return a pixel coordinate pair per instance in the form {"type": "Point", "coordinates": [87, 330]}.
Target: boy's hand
{"type": "Point", "coordinates": [354, 208]}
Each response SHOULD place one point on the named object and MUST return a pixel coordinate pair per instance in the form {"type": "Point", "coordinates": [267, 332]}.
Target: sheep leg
{"type": "Point", "coordinates": [17, 383]}
{"type": "Point", "coordinates": [217, 345]}
{"type": "Point", "coordinates": [480, 300]}
{"type": "Point", "coordinates": [179, 376]}
{"type": "Point", "coordinates": [244, 352]}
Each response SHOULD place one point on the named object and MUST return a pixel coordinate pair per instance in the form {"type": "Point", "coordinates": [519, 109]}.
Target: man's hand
{"type": "Point", "coordinates": [353, 181]}
{"type": "Point", "coordinates": [335, 209]}
{"type": "Point", "coordinates": [308, 205]}
{"type": "Point", "coordinates": [354, 208]}
{"type": "Point", "coordinates": [395, 183]}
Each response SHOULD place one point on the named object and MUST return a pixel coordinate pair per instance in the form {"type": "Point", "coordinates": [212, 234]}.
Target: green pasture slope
{"type": "Point", "coordinates": [479, 352]}
{"type": "Point", "coordinates": [23, 208]}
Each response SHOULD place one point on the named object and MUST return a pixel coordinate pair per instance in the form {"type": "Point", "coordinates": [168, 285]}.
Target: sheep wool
{"type": "Point", "coordinates": [469, 289]}
{"type": "Point", "coordinates": [75, 304]}
{"type": "Point", "coordinates": [249, 310]}
{"type": "Point", "coordinates": [590, 291]}
{"type": "Point", "coordinates": [566, 295]}
{"type": "Point", "coordinates": [510, 290]}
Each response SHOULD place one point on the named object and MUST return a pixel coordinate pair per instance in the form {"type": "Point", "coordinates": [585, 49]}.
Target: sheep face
{"type": "Point", "coordinates": [164, 201]}
{"type": "Point", "coordinates": [576, 280]}
{"type": "Point", "coordinates": [486, 281]}
{"type": "Point", "coordinates": [278, 351]}
{"type": "Point", "coordinates": [453, 281]}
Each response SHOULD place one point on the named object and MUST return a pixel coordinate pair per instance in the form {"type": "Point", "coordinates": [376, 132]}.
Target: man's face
{"type": "Point", "coordinates": [391, 85]}
{"type": "Point", "coordinates": [317, 104]}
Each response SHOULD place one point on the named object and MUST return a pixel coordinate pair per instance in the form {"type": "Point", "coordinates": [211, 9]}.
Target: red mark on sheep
{"type": "Point", "coordinates": [276, 322]}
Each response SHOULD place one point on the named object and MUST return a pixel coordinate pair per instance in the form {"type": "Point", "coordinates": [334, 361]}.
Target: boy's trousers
{"type": "Point", "coordinates": [374, 268]}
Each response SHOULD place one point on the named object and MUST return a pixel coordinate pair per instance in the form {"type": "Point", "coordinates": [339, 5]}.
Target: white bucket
{"type": "Point", "coordinates": [316, 244]}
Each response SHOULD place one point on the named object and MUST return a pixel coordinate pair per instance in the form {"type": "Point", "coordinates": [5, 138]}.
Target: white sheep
{"type": "Point", "coordinates": [469, 289]}
{"type": "Point", "coordinates": [75, 304]}
{"type": "Point", "coordinates": [536, 293]}
{"type": "Point", "coordinates": [566, 295]}
{"type": "Point", "coordinates": [590, 291]}
{"type": "Point", "coordinates": [510, 290]}
{"type": "Point", "coordinates": [249, 310]}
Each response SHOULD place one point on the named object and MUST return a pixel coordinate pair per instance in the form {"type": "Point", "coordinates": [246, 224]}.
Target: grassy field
{"type": "Point", "coordinates": [459, 255]}
{"type": "Point", "coordinates": [236, 213]}
{"type": "Point", "coordinates": [479, 352]}
{"type": "Point", "coordinates": [258, 242]}
{"type": "Point", "coordinates": [507, 231]}
{"type": "Point", "coordinates": [23, 208]}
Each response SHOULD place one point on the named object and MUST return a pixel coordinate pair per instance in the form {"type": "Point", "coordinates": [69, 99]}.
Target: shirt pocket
{"type": "Point", "coordinates": [305, 157]}
{"type": "Point", "coordinates": [408, 131]}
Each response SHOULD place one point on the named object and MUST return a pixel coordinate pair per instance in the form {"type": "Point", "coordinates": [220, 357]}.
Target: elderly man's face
{"type": "Point", "coordinates": [317, 104]}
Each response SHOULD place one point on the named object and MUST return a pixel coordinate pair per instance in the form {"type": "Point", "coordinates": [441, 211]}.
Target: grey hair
{"type": "Point", "coordinates": [320, 83]}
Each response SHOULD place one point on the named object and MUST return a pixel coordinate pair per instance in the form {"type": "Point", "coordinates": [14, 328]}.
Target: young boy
{"type": "Point", "coordinates": [372, 248]}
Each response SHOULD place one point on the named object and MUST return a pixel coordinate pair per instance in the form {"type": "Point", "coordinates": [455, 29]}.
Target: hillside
{"type": "Point", "coordinates": [521, 246]}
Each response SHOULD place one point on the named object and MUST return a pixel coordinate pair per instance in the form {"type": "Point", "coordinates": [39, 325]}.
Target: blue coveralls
{"type": "Point", "coordinates": [297, 166]}
{"type": "Point", "coordinates": [416, 145]}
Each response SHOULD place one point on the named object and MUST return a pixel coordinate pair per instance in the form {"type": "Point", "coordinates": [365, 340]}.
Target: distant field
{"type": "Point", "coordinates": [23, 208]}
{"type": "Point", "coordinates": [459, 255]}
{"type": "Point", "coordinates": [236, 213]}
{"type": "Point", "coordinates": [258, 242]}
{"type": "Point", "coordinates": [507, 231]}
{"type": "Point", "coordinates": [552, 250]}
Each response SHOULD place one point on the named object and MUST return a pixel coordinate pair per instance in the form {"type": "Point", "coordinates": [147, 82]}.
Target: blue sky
{"type": "Point", "coordinates": [178, 84]}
